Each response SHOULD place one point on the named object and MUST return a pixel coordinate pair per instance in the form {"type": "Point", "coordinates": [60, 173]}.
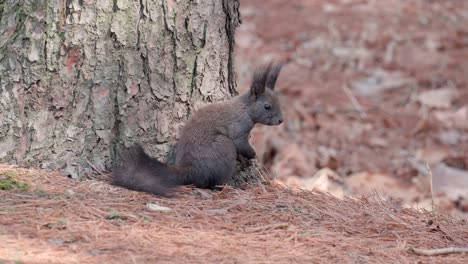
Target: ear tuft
{"type": "Point", "coordinates": [259, 80]}
{"type": "Point", "coordinates": [265, 76]}
{"type": "Point", "coordinates": [273, 75]}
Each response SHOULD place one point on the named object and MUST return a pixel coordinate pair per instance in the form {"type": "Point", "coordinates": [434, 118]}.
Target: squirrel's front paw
{"type": "Point", "coordinates": [250, 154]}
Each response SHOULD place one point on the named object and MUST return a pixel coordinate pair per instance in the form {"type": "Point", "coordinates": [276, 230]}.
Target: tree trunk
{"type": "Point", "coordinates": [81, 78]}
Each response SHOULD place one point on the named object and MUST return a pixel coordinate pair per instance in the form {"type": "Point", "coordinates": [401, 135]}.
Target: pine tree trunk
{"type": "Point", "coordinates": [81, 78]}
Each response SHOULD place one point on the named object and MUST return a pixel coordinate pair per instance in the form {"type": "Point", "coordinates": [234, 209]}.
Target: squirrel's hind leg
{"type": "Point", "coordinates": [217, 166]}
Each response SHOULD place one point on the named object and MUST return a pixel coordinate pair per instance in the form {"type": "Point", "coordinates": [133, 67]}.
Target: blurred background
{"type": "Point", "coordinates": [375, 96]}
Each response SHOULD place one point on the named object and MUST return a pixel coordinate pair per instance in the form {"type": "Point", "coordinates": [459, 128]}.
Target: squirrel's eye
{"type": "Point", "coordinates": [267, 107]}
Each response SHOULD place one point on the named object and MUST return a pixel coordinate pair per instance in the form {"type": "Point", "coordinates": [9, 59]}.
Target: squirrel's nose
{"type": "Point", "coordinates": [280, 121]}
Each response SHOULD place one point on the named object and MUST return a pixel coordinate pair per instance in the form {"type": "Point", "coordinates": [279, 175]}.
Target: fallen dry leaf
{"type": "Point", "coordinates": [439, 98]}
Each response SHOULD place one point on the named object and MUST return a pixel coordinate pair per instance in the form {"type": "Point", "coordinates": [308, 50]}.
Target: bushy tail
{"type": "Point", "coordinates": [140, 172]}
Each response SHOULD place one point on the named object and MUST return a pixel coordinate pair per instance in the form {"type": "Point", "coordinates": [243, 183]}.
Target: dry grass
{"type": "Point", "coordinates": [59, 220]}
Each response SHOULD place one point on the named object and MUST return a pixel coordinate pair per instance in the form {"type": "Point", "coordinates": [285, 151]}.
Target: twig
{"type": "Point", "coordinates": [354, 101]}
{"type": "Point", "coordinates": [96, 169]}
{"type": "Point", "coordinates": [390, 51]}
{"type": "Point", "coordinates": [270, 227]}
{"type": "Point", "coordinates": [431, 186]}
{"type": "Point", "coordinates": [262, 171]}
{"type": "Point", "coordinates": [421, 125]}
{"type": "Point", "coordinates": [437, 251]}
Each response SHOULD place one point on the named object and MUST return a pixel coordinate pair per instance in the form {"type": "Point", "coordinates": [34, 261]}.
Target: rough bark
{"type": "Point", "coordinates": [81, 78]}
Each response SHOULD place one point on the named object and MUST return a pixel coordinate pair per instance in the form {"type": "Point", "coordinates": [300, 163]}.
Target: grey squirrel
{"type": "Point", "coordinates": [210, 142]}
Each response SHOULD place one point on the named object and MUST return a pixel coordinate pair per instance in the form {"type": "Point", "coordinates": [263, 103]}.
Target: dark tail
{"type": "Point", "coordinates": [140, 172]}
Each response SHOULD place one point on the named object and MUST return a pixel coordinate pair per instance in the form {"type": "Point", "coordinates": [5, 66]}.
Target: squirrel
{"type": "Point", "coordinates": [209, 144]}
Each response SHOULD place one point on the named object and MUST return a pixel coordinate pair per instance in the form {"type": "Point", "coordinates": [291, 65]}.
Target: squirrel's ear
{"type": "Point", "coordinates": [273, 76]}
{"type": "Point", "coordinates": [259, 81]}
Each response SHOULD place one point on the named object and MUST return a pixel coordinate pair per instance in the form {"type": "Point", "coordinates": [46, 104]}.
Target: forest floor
{"type": "Point", "coordinates": [48, 218]}
{"type": "Point", "coordinates": [374, 93]}
{"type": "Point", "coordinates": [373, 90]}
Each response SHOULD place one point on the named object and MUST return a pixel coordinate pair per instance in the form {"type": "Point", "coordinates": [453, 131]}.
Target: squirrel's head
{"type": "Point", "coordinates": [264, 107]}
